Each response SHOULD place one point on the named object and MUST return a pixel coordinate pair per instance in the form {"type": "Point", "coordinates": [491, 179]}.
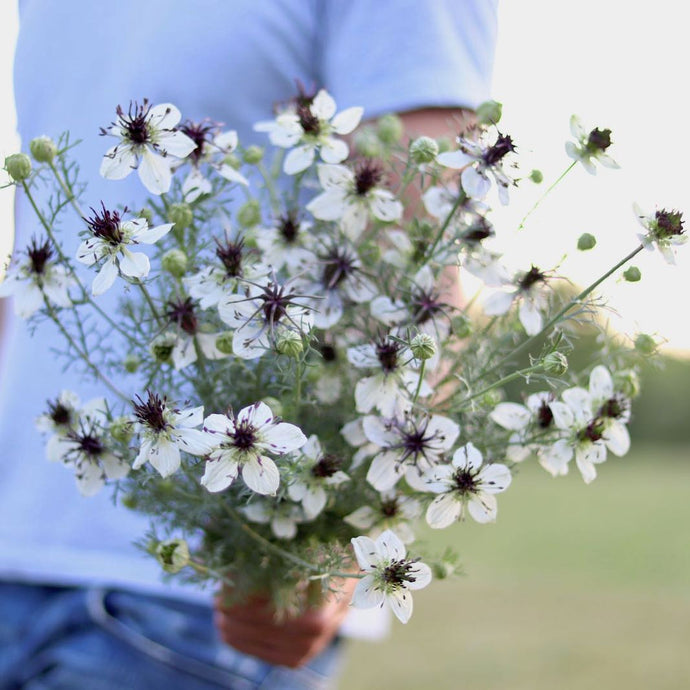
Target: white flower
{"type": "Point", "coordinates": [110, 242]}
{"type": "Point", "coordinates": [664, 231]}
{"type": "Point", "coordinates": [286, 244]}
{"type": "Point", "coordinates": [261, 315]}
{"type": "Point", "coordinates": [409, 447]}
{"type": "Point", "coordinates": [309, 126]}
{"type": "Point", "coordinates": [211, 147]}
{"type": "Point", "coordinates": [465, 484]}
{"type": "Point", "coordinates": [389, 574]}
{"type": "Point", "coordinates": [478, 159]}
{"type": "Point", "coordinates": [390, 389]}
{"type": "Point", "coordinates": [149, 143]}
{"type": "Point", "coordinates": [239, 445]}
{"type": "Point", "coordinates": [530, 295]}
{"type": "Point", "coordinates": [391, 510]}
{"type": "Point", "coordinates": [282, 516]}
{"type": "Point", "coordinates": [589, 146]}
{"type": "Point", "coordinates": [317, 473]}
{"type": "Point", "coordinates": [165, 431]}
{"type": "Point", "coordinates": [37, 279]}
{"type": "Point", "coordinates": [85, 447]}
{"type": "Point", "coordinates": [351, 197]}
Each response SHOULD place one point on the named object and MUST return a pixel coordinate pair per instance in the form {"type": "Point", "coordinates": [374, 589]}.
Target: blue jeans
{"type": "Point", "coordinates": [73, 638]}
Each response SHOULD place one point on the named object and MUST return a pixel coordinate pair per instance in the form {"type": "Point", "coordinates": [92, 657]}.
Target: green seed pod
{"type": "Point", "coordinates": [253, 155]}
{"type": "Point", "coordinates": [423, 150]}
{"type": "Point", "coordinates": [586, 241]}
{"type": "Point", "coordinates": [390, 129]}
{"type": "Point", "coordinates": [537, 176]}
{"type": "Point", "coordinates": [233, 161]}
{"type": "Point", "coordinates": [249, 214]}
{"type": "Point", "coordinates": [121, 429]}
{"type": "Point", "coordinates": [555, 363]}
{"type": "Point", "coordinates": [224, 342]}
{"type": "Point", "coordinates": [181, 215]}
{"type": "Point", "coordinates": [173, 555]}
{"type": "Point", "coordinates": [18, 165]}
{"type": "Point", "coordinates": [290, 344]}
{"type": "Point", "coordinates": [423, 346]}
{"type": "Point", "coordinates": [162, 346]}
{"type": "Point", "coordinates": [368, 144]}
{"type": "Point", "coordinates": [174, 261]}
{"type": "Point", "coordinates": [645, 344]}
{"type": "Point", "coordinates": [43, 149]}
{"type": "Point", "coordinates": [492, 398]}
{"type": "Point", "coordinates": [462, 327]}
{"type": "Point", "coordinates": [632, 274]}
{"type": "Point", "coordinates": [628, 382]}
{"type": "Point", "coordinates": [131, 363]}
{"type": "Point", "coordinates": [489, 112]}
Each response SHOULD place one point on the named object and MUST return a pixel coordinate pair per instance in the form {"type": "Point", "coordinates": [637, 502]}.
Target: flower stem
{"type": "Point", "coordinates": [545, 194]}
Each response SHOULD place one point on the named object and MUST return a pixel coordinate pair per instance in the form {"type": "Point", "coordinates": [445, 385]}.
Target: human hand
{"type": "Point", "coordinates": [251, 627]}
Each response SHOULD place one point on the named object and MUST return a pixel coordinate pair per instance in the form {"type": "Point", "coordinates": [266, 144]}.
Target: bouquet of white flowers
{"type": "Point", "coordinates": [291, 379]}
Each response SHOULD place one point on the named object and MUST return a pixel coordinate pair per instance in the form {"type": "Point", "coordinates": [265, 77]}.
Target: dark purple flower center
{"type": "Point", "coordinates": [668, 223]}
{"type": "Point", "coordinates": [87, 442]}
{"type": "Point", "coordinates": [106, 225]}
{"type": "Point", "coordinates": [368, 174]}
{"type": "Point", "coordinates": [388, 352]}
{"type": "Point", "coordinates": [200, 133]}
{"type": "Point", "coordinates": [182, 314]}
{"type": "Point", "coordinates": [151, 412]}
{"type": "Point", "coordinates": [480, 230]}
{"type": "Point", "coordinates": [389, 507]}
{"type": "Point", "coordinates": [289, 226]}
{"type": "Point", "coordinates": [39, 255]}
{"type": "Point", "coordinates": [397, 573]}
{"type": "Point", "coordinates": [60, 414]}
{"type": "Point", "coordinates": [339, 264]}
{"type": "Point", "coordinates": [328, 352]}
{"type": "Point", "coordinates": [495, 154]}
{"type": "Point", "coordinates": [135, 122]}
{"type": "Point", "coordinates": [231, 254]}
{"type": "Point", "coordinates": [544, 415]}
{"type": "Point", "coordinates": [598, 140]}
{"type": "Point", "coordinates": [532, 277]}
{"type": "Point", "coordinates": [327, 466]}
{"type": "Point", "coordinates": [614, 408]}
{"type": "Point", "coordinates": [594, 431]}
{"type": "Point", "coordinates": [426, 306]}
{"type": "Point", "coordinates": [464, 482]}
{"type": "Point", "coordinates": [307, 120]}
{"type": "Point", "coordinates": [244, 437]}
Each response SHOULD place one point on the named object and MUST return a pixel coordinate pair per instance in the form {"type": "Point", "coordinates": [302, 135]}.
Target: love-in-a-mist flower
{"type": "Point", "coordinates": [589, 146]}
{"type": "Point", "coordinates": [110, 240]}
{"type": "Point", "coordinates": [241, 446]}
{"type": "Point", "coordinates": [478, 160]}
{"type": "Point", "coordinates": [353, 196]}
{"type": "Point", "coordinates": [664, 231]}
{"type": "Point", "coordinates": [149, 143]}
{"type": "Point", "coordinates": [613, 407]}
{"type": "Point", "coordinates": [87, 448]}
{"type": "Point", "coordinates": [287, 243]}
{"type": "Point", "coordinates": [395, 379]}
{"type": "Point", "coordinates": [389, 510]}
{"type": "Point", "coordinates": [390, 575]}
{"type": "Point", "coordinates": [165, 431]}
{"type": "Point", "coordinates": [308, 126]}
{"type": "Point", "coordinates": [263, 314]}
{"type": "Point", "coordinates": [466, 484]}
{"type": "Point", "coordinates": [410, 447]}
{"type": "Point", "coordinates": [211, 148]}
{"type": "Point", "coordinates": [529, 292]}
{"type": "Point", "coordinates": [540, 414]}
{"type": "Point", "coordinates": [316, 473]}
{"type": "Point", "coordinates": [281, 515]}
{"type": "Point", "coordinates": [37, 279]}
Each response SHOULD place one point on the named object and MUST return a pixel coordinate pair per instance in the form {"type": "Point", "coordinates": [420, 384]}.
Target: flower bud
{"type": "Point", "coordinates": [18, 165]}
{"type": "Point", "coordinates": [181, 215]}
{"type": "Point", "coordinates": [462, 327]}
{"type": "Point", "coordinates": [586, 241]}
{"type": "Point", "coordinates": [390, 129]}
{"type": "Point", "coordinates": [161, 347]}
{"type": "Point", "coordinates": [492, 398]}
{"type": "Point", "coordinates": [537, 176]}
{"type": "Point", "coordinates": [249, 214]}
{"type": "Point", "coordinates": [174, 261]}
{"type": "Point", "coordinates": [224, 342]}
{"type": "Point", "coordinates": [43, 149]}
{"type": "Point", "coordinates": [628, 382]}
{"type": "Point", "coordinates": [233, 161]}
{"type": "Point", "coordinates": [423, 346]}
{"type": "Point", "coordinates": [131, 363]}
{"type": "Point", "coordinates": [645, 344]}
{"type": "Point", "coordinates": [632, 274]}
{"type": "Point", "coordinates": [555, 363]}
{"type": "Point", "coordinates": [289, 343]}
{"type": "Point", "coordinates": [368, 144]}
{"type": "Point", "coordinates": [489, 112]}
{"type": "Point", "coordinates": [423, 150]}
{"type": "Point", "coordinates": [253, 155]}
{"type": "Point", "coordinates": [173, 555]}
{"type": "Point", "coordinates": [121, 429]}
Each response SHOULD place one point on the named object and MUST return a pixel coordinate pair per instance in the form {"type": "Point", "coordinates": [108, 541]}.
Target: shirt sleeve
{"type": "Point", "coordinates": [399, 55]}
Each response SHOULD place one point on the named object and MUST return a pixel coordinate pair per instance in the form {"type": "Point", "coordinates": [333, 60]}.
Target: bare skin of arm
{"type": "Point", "coordinates": [252, 627]}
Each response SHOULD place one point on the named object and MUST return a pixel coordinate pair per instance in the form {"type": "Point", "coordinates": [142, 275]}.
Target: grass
{"type": "Point", "coordinates": [574, 587]}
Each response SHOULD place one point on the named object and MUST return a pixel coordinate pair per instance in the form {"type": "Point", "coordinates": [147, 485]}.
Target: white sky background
{"type": "Point", "coordinates": [618, 65]}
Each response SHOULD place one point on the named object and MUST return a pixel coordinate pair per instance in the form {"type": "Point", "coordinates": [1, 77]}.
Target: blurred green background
{"type": "Point", "coordinates": [575, 587]}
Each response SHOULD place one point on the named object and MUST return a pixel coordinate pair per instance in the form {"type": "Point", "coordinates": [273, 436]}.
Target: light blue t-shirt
{"type": "Point", "coordinates": [228, 60]}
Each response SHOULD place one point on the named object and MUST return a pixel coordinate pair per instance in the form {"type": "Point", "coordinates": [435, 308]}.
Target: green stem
{"type": "Point", "coordinates": [419, 382]}
{"type": "Point", "coordinates": [545, 194]}
{"type": "Point", "coordinates": [458, 202]}
{"type": "Point", "coordinates": [501, 382]}
{"type": "Point", "coordinates": [149, 301]}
